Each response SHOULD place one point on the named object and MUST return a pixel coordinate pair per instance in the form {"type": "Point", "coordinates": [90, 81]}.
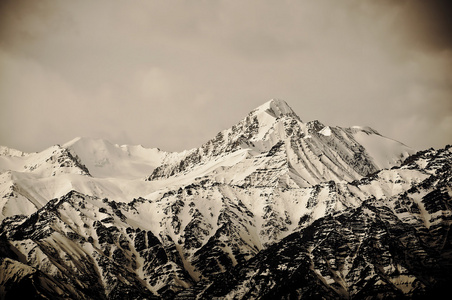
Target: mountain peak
{"type": "Point", "coordinates": [276, 108]}
{"type": "Point", "coordinates": [105, 159]}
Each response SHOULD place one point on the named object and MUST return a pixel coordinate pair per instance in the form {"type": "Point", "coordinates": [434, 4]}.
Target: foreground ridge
{"type": "Point", "coordinates": [271, 208]}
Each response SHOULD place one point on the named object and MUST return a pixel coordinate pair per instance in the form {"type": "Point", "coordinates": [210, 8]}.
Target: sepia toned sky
{"type": "Point", "coordinates": [171, 74]}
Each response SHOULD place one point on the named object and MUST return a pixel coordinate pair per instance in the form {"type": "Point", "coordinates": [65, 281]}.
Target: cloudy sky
{"type": "Point", "coordinates": [171, 74]}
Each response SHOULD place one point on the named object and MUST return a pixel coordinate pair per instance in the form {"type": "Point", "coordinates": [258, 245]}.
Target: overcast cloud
{"type": "Point", "coordinates": [171, 74]}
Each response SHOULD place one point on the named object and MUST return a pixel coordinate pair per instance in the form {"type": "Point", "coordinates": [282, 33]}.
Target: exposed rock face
{"type": "Point", "coordinates": [398, 247]}
{"type": "Point", "coordinates": [272, 208]}
{"type": "Point", "coordinates": [281, 148]}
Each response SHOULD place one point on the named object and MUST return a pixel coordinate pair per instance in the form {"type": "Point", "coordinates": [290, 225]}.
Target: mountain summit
{"type": "Point", "coordinates": [276, 108]}
{"type": "Point", "coordinates": [276, 147]}
{"type": "Point", "coordinates": [105, 159]}
{"type": "Point", "coordinates": [270, 208]}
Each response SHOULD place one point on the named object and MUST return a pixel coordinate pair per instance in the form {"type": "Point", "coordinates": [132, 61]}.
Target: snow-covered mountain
{"type": "Point", "coordinates": [270, 208]}
{"type": "Point", "coordinates": [272, 146]}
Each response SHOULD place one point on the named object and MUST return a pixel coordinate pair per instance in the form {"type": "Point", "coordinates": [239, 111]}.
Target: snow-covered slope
{"type": "Point", "coordinates": [118, 222]}
{"type": "Point", "coordinates": [106, 160]}
{"type": "Point", "coordinates": [382, 150]}
{"type": "Point", "coordinates": [50, 162]}
{"type": "Point", "coordinates": [177, 242]}
{"type": "Point", "coordinates": [95, 167]}
{"type": "Point", "coordinates": [272, 146]}
{"type": "Point", "coordinates": [395, 246]}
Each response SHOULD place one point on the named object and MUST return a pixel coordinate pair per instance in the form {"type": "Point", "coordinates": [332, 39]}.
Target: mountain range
{"type": "Point", "coordinates": [271, 208]}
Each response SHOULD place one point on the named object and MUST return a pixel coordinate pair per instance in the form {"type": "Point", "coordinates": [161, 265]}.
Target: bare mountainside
{"type": "Point", "coordinates": [270, 208]}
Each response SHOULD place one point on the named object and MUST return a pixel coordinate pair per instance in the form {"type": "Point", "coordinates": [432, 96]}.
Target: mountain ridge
{"type": "Point", "coordinates": [275, 122]}
{"type": "Point", "coordinates": [268, 199]}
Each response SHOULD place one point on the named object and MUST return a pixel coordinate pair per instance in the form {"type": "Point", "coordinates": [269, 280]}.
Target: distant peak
{"type": "Point", "coordinates": [276, 108]}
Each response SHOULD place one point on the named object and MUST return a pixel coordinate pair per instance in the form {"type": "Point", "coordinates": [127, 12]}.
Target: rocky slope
{"type": "Point", "coordinates": [396, 247]}
{"type": "Point", "coordinates": [272, 146]}
{"type": "Point", "coordinates": [270, 208]}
